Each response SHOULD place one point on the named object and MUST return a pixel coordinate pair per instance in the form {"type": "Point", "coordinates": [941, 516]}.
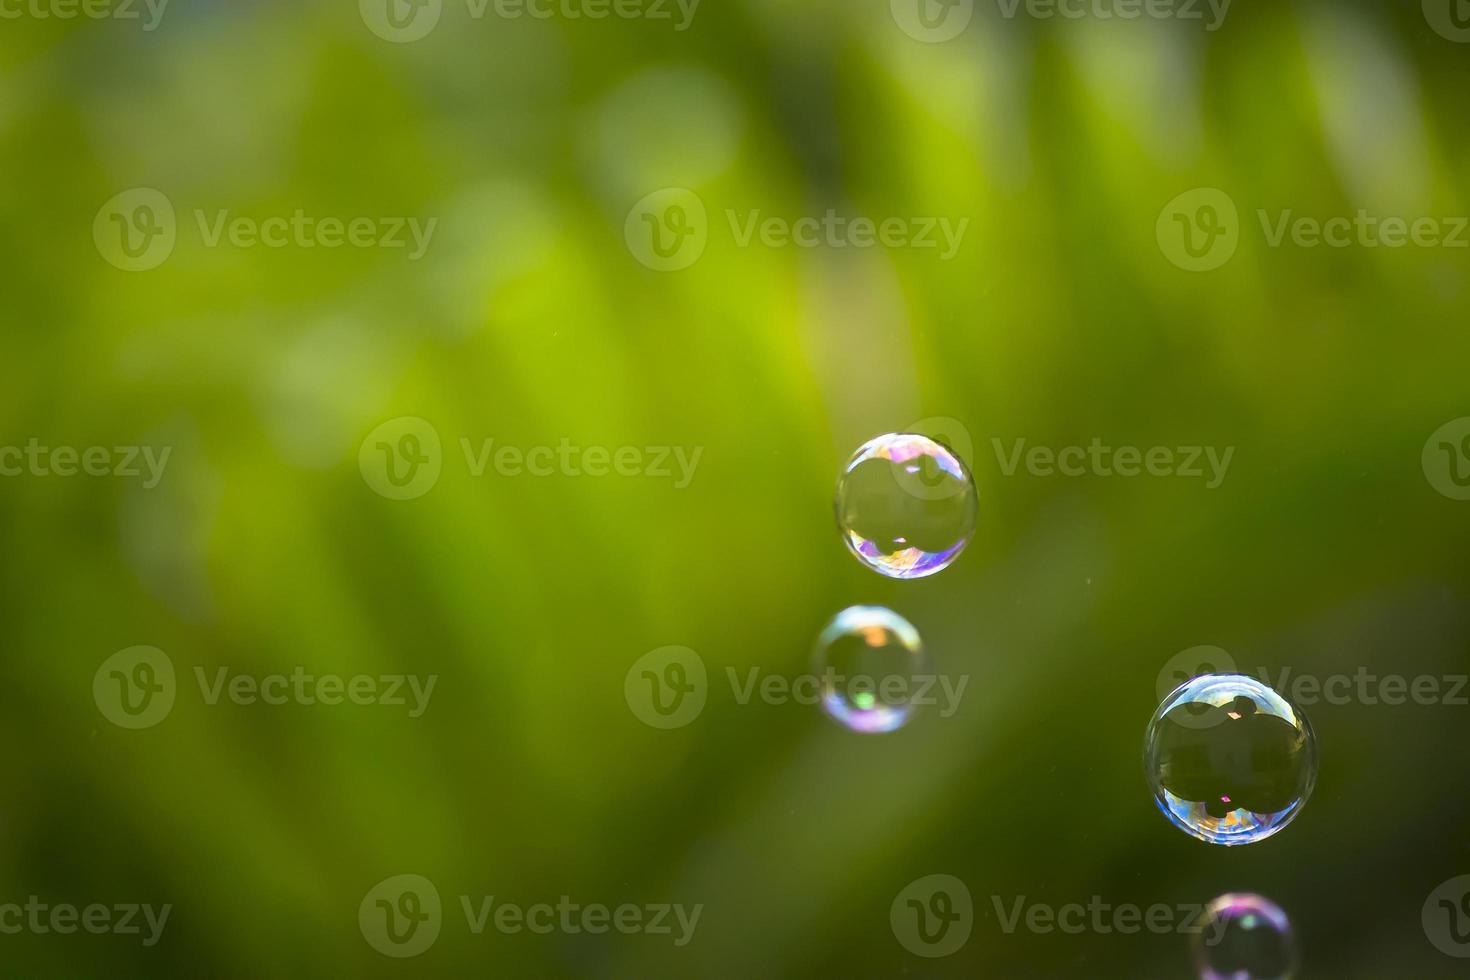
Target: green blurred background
{"type": "Point", "coordinates": [530, 320]}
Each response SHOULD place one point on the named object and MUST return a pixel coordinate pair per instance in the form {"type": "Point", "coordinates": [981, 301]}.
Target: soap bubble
{"type": "Point", "coordinates": [1244, 937]}
{"type": "Point", "coordinates": [871, 666]}
{"type": "Point", "coordinates": [906, 505]}
{"type": "Point", "coordinates": [1230, 760]}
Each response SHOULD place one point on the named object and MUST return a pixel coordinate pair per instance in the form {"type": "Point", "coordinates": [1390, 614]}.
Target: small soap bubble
{"type": "Point", "coordinates": [871, 665]}
{"type": "Point", "coordinates": [1230, 760]}
{"type": "Point", "coordinates": [1244, 937]}
{"type": "Point", "coordinates": [906, 505]}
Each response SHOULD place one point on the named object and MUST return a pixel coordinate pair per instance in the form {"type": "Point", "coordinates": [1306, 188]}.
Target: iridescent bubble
{"type": "Point", "coordinates": [906, 505]}
{"type": "Point", "coordinates": [1244, 937]}
{"type": "Point", "coordinates": [871, 665]}
{"type": "Point", "coordinates": [1230, 760]}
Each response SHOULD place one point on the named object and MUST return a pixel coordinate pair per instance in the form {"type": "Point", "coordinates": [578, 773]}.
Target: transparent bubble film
{"type": "Point", "coordinates": [906, 505]}
{"type": "Point", "coordinates": [871, 665]}
{"type": "Point", "coordinates": [1244, 937]}
{"type": "Point", "coordinates": [1230, 760]}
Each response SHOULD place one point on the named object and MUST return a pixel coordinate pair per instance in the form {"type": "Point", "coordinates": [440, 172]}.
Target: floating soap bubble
{"type": "Point", "coordinates": [871, 666]}
{"type": "Point", "coordinates": [906, 505]}
{"type": "Point", "coordinates": [1230, 760]}
{"type": "Point", "coordinates": [1244, 937]}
